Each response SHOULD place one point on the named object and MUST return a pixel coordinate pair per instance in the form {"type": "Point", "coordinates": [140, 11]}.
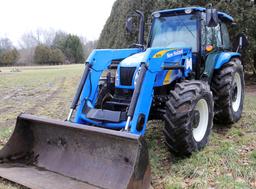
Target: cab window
{"type": "Point", "coordinates": [175, 32]}
{"type": "Point", "coordinates": [210, 35]}
{"type": "Point", "coordinates": [225, 36]}
{"type": "Point", "coordinates": [213, 36]}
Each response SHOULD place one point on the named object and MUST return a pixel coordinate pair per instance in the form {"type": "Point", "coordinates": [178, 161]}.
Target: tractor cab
{"type": "Point", "coordinates": [192, 27]}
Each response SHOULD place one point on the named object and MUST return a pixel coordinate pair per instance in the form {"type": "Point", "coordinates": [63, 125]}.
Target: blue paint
{"type": "Point", "coordinates": [101, 59]}
{"type": "Point", "coordinates": [223, 16]}
{"type": "Point", "coordinates": [225, 57]}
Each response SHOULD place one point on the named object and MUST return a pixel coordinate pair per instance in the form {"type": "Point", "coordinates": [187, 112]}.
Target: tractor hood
{"type": "Point", "coordinates": [128, 68]}
{"type": "Point", "coordinates": [133, 61]}
{"type": "Point", "coordinates": [173, 55]}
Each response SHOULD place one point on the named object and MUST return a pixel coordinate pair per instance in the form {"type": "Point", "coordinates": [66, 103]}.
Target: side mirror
{"type": "Point", "coordinates": [129, 25]}
{"type": "Point", "coordinates": [212, 19]}
{"type": "Point", "coordinates": [240, 42]}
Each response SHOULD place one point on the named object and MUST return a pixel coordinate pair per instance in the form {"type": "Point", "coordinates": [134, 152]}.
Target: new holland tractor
{"type": "Point", "coordinates": [187, 75]}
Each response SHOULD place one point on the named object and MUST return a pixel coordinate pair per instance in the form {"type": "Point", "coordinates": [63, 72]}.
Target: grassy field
{"type": "Point", "coordinates": [229, 161]}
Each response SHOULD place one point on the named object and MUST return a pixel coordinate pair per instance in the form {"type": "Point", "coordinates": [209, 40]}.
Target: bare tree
{"type": "Point", "coordinates": [28, 40]}
{"type": "Point", "coordinates": [45, 37]}
{"type": "Point", "coordinates": [5, 44]}
{"type": "Point", "coordinates": [83, 40]}
{"type": "Point", "coordinates": [49, 36]}
{"type": "Point", "coordinates": [27, 45]}
{"type": "Point", "coordinates": [88, 46]}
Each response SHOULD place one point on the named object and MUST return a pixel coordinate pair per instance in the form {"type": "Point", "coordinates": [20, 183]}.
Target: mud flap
{"type": "Point", "coordinates": [44, 153]}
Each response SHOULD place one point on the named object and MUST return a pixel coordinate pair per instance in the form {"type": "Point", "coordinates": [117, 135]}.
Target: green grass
{"type": "Point", "coordinates": [229, 161]}
{"type": "Point", "coordinates": [46, 91]}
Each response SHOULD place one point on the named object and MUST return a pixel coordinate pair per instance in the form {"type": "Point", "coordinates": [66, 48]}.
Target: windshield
{"type": "Point", "coordinates": [175, 32]}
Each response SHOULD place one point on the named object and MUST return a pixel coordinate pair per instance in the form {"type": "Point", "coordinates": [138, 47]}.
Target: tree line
{"type": "Point", "coordinates": [8, 54]}
{"type": "Point", "coordinates": [45, 47]}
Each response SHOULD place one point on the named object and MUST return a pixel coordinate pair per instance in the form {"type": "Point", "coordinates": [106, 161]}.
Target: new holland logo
{"type": "Point", "coordinates": [175, 53]}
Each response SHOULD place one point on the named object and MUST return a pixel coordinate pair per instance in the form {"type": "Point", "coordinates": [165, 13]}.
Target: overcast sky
{"type": "Point", "coordinates": [82, 17]}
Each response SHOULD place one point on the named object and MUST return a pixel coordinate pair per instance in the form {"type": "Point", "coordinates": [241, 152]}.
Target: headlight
{"type": "Point", "coordinates": [136, 76]}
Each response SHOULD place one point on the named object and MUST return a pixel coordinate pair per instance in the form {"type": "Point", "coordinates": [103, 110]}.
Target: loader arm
{"type": "Point", "coordinates": [99, 60]}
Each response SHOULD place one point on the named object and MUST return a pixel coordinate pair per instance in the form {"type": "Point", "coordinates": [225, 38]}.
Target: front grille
{"type": "Point", "coordinates": [126, 75]}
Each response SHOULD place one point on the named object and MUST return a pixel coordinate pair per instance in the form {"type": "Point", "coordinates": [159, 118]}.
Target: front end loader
{"type": "Point", "coordinates": [188, 76]}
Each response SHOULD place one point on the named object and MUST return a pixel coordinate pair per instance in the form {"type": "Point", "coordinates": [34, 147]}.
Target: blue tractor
{"type": "Point", "coordinates": [187, 75]}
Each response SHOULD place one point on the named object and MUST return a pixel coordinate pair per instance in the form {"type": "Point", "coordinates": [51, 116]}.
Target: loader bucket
{"type": "Point", "coordinates": [47, 154]}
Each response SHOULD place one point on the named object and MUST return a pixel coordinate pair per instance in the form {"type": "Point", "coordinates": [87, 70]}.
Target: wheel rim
{"type": "Point", "coordinates": [236, 92]}
{"type": "Point", "coordinates": [200, 127]}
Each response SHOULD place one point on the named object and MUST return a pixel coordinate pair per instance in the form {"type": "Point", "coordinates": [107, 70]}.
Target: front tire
{"type": "Point", "coordinates": [188, 117]}
{"type": "Point", "coordinates": [228, 91]}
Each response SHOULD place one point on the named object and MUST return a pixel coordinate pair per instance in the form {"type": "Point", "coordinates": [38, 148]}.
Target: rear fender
{"type": "Point", "coordinates": [216, 60]}
{"type": "Point", "coordinates": [225, 57]}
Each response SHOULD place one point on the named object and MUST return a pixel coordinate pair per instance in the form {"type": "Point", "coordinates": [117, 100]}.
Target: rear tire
{"type": "Point", "coordinates": [188, 117]}
{"type": "Point", "coordinates": [228, 92]}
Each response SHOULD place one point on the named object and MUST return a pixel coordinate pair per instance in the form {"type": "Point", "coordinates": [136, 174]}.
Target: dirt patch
{"type": "Point", "coordinates": [48, 98]}
{"type": "Point", "coordinates": [251, 89]}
